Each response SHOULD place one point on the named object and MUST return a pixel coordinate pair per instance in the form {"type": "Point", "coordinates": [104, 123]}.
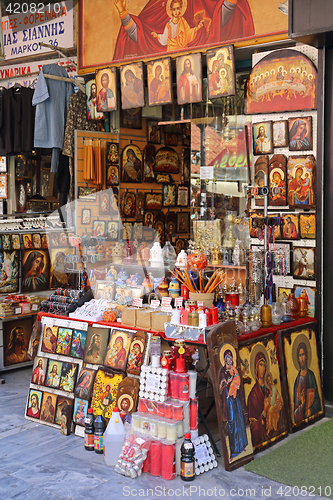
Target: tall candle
{"type": "Point", "coordinates": [168, 466]}
{"type": "Point", "coordinates": [180, 428]}
{"type": "Point", "coordinates": [174, 385]}
{"type": "Point", "coordinates": [136, 421]}
{"type": "Point", "coordinates": [168, 410]}
{"type": "Point", "coordinates": [155, 458]}
{"type": "Point", "coordinates": [153, 427]}
{"type": "Point", "coordinates": [184, 317]}
{"type": "Point", "coordinates": [194, 414]}
{"type": "Point", "coordinates": [183, 388]}
{"type": "Point", "coordinates": [193, 383]}
{"type": "Point", "coordinates": [215, 315]}
{"type": "Point", "coordinates": [146, 464]}
{"type": "Point", "coordinates": [171, 428]}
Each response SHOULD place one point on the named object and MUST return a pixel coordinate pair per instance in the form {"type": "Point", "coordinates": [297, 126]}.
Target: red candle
{"type": "Point", "coordinates": [146, 463]}
{"type": "Point", "coordinates": [178, 411]}
{"type": "Point", "coordinates": [174, 385]}
{"type": "Point", "coordinates": [208, 317]}
{"type": "Point", "coordinates": [160, 412]}
{"type": "Point", "coordinates": [194, 414]}
{"type": "Point", "coordinates": [151, 405]}
{"type": "Point", "coordinates": [184, 292]}
{"type": "Point", "coordinates": [184, 317]}
{"type": "Point", "coordinates": [215, 315]}
{"type": "Point", "coordinates": [180, 366]}
{"type": "Point", "coordinates": [155, 458]}
{"type": "Point", "coordinates": [184, 383]}
{"type": "Point", "coordinates": [168, 410]}
{"type": "Point", "coordinates": [143, 405]}
{"type": "Point", "coordinates": [168, 461]}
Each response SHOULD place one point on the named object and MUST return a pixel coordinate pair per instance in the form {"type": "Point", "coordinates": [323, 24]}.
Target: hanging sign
{"type": "Point", "coordinates": [28, 24]}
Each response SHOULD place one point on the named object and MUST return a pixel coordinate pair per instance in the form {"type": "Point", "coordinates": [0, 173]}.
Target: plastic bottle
{"type": "Point", "coordinates": [89, 431]}
{"type": "Point", "coordinates": [98, 435]}
{"type": "Point", "coordinates": [113, 438]}
{"type": "Point", "coordinates": [187, 460]}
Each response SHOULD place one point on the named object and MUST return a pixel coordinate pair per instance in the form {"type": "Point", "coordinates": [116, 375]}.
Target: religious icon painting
{"type": "Point", "coordinates": [91, 93]}
{"type": "Point", "coordinates": [301, 181]}
{"type": "Point", "coordinates": [171, 139]}
{"type": "Point", "coordinates": [34, 338]}
{"type": "Point", "coordinates": [262, 136]}
{"type": "Point", "coordinates": [106, 83]}
{"type": "Point", "coordinates": [9, 275]}
{"type": "Point", "coordinates": [64, 341]}
{"type": "Point", "coordinates": [49, 403]}
{"type": "Point", "coordinates": [131, 162]}
{"type": "Point", "coordinates": [49, 340]}
{"type": "Point", "coordinates": [304, 263]}
{"type": "Point", "coordinates": [104, 203]}
{"type": "Point", "coordinates": [131, 118]}
{"type": "Point", "coordinates": [221, 72]}
{"type": "Point", "coordinates": [138, 230]}
{"type": "Point", "coordinates": [263, 393]}
{"type": "Point", "coordinates": [99, 228]}
{"type": "Point", "coordinates": [132, 86]}
{"type": "Point", "coordinates": [300, 133]}
{"type": "Point", "coordinates": [16, 242]}
{"type": "Point", "coordinates": [16, 336]}
{"type": "Point", "coordinates": [129, 204]}
{"type": "Point", "coordinates": [307, 224]}
{"type": "Point", "coordinates": [159, 227]}
{"type": "Point", "coordinates": [232, 413]}
{"type": "Point", "coordinates": [153, 132]}
{"type": "Point", "coordinates": [277, 181]}
{"type": "Point", "coordinates": [127, 398]}
{"type": "Point", "coordinates": [112, 153]}
{"type": "Point", "coordinates": [149, 163]}
{"type": "Point", "coordinates": [166, 161]}
{"type": "Point", "coordinates": [183, 222]}
{"type": "Point", "coordinates": [80, 411]}
{"type": "Point", "coordinates": [6, 243]}
{"type": "Point", "coordinates": [60, 275]}
{"type": "Point", "coordinates": [87, 193]}
{"type": "Point", "coordinates": [112, 175]}
{"type": "Point", "coordinates": [113, 229]}
{"type": "Point", "coordinates": [53, 374]}
{"type": "Point", "coordinates": [78, 343]}
{"type": "Point", "coordinates": [36, 241]}
{"type": "Point", "coordinates": [260, 171]}
{"type": "Point", "coordinates": [105, 392]}
{"type": "Point", "coordinates": [34, 403]}
{"type": "Point", "coordinates": [68, 376]}
{"type": "Point", "coordinates": [189, 78]}
{"type": "Point", "coordinates": [127, 231]}
{"type": "Point", "coordinates": [137, 351]}
{"type": "Point", "coordinates": [159, 78]}
{"type": "Point", "coordinates": [118, 349]}
{"type": "Point", "coordinates": [39, 370]}
{"type": "Point", "coordinates": [85, 382]}
{"type": "Point", "coordinates": [153, 201]}
{"type": "Point", "coordinates": [35, 270]}
{"type": "Point", "coordinates": [169, 195]}
{"type": "Point", "coordinates": [63, 241]}
{"type": "Point", "coordinates": [283, 293]}
{"type": "Point", "coordinates": [285, 80]}
{"type": "Point", "coordinates": [114, 200]}
{"type": "Point", "coordinates": [290, 227]}
{"type": "Point", "coordinates": [63, 402]}
{"type": "Point", "coordinates": [45, 241]}
{"type": "Point", "coordinates": [27, 241]}
{"type": "Point", "coordinates": [54, 237]}
{"type": "Point", "coordinates": [256, 225]}
{"type": "Point", "coordinates": [180, 245]}
{"type": "Point", "coordinates": [301, 380]}
{"type": "Point", "coordinates": [280, 134]}
{"type": "Point", "coordinates": [96, 343]}
{"type": "Point", "coordinates": [309, 295]}
{"type": "Point", "coordinates": [86, 216]}
{"type": "Point", "coordinates": [149, 219]}
{"type": "Point", "coordinates": [182, 196]}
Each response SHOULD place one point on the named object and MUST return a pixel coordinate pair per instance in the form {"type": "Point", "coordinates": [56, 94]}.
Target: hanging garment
{"type": "Point", "coordinates": [76, 120]}
{"type": "Point", "coordinates": [51, 98]}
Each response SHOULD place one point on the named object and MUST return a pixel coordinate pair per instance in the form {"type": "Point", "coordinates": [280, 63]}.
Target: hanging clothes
{"type": "Point", "coordinates": [51, 98]}
{"type": "Point", "coordinates": [17, 118]}
{"type": "Point", "coordinates": [76, 120]}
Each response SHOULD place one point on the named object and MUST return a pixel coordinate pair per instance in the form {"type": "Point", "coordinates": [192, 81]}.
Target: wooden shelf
{"type": "Point", "coordinates": [19, 315]}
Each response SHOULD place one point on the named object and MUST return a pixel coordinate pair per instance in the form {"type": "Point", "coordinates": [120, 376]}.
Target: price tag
{"type": "Point", "coordinates": [34, 307]}
{"type": "Point", "coordinates": [18, 310]}
{"type": "Point", "coordinates": [152, 382]}
{"type": "Point", "coordinates": [155, 304]}
{"type": "Point", "coordinates": [166, 301]}
{"type": "Point", "coordinates": [166, 308]}
{"type": "Point", "coordinates": [200, 304]}
{"type": "Point", "coordinates": [201, 453]}
{"type": "Point", "coordinates": [137, 302]}
{"type": "Point", "coordinates": [179, 302]}
{"type": "Point", "coordinates": [207, 173]}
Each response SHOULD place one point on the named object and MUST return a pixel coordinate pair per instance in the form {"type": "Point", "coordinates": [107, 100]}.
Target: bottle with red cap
{"type": "Point", "coordinates": [187, 460]}
{"type": "Point", "coordinates": [89, 431]}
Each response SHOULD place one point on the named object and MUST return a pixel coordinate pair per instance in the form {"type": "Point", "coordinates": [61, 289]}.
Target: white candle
{"type": "Point", "coordinates": [136, 420]}
{"type": "Point", "coordinates": [162, 429]}
{"type": "Point", "coordinates": [180, 428]}
{"type": "Point", "coordinates": [171, 431]}
{"type": "Point", "coordinates": [193, 383]}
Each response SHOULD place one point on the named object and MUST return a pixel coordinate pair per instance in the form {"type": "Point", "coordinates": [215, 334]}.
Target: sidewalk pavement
{"type": "Point", "coordinates": [37, 462]}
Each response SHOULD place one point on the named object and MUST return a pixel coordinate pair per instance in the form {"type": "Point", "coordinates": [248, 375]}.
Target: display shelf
{"type": "Point", "coordinates": [223, 266]}
{"type": "Point", "coordinates": [18, 316]}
